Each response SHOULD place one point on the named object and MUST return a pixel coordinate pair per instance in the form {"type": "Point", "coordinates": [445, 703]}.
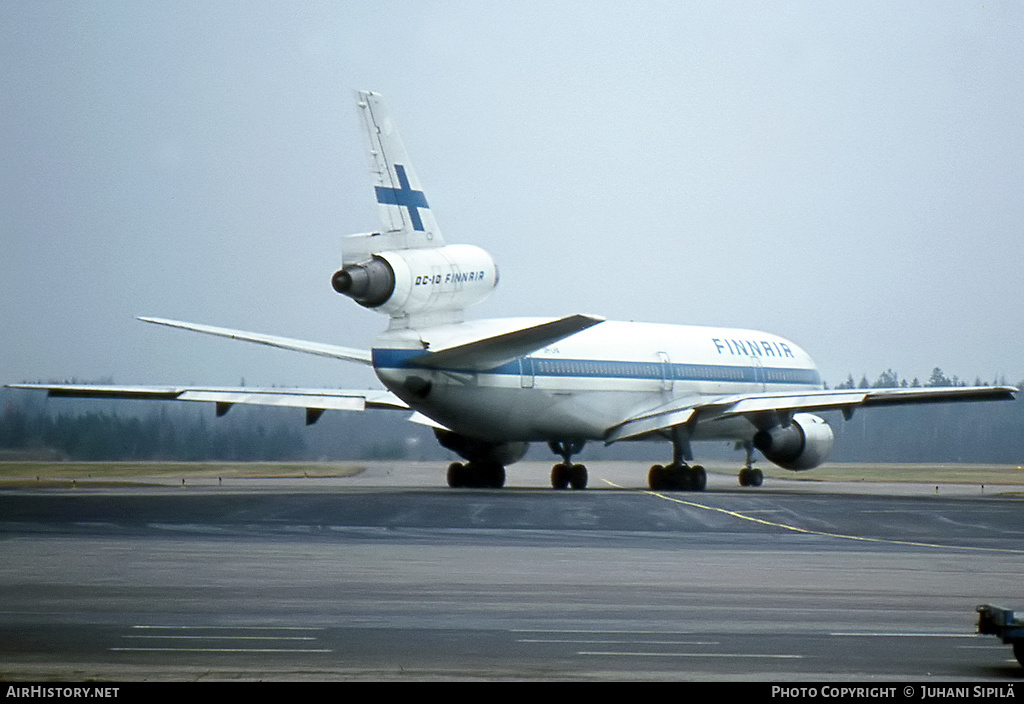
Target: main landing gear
{"type": "Point", "coordinates": [565, 474]}
{"type": "Point", "coordinates": [476, 475]}
{"type": "Point", "coordinates": [678, 476]}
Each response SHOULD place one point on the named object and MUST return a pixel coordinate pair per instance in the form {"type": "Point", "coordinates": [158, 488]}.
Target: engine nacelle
{"type": "Point", "coordinates": [803, 444]}
{"type": "Point", "coordinates": [401, 282]}
{"type": "Point", "coordinates": [473, 450]}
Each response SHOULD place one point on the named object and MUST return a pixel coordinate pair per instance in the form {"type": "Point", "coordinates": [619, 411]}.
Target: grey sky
{"type": "Point", "coordinates": [849, 175]}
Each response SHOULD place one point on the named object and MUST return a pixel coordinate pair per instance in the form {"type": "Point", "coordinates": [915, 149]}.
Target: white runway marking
{"type": "Point", "coordinates": [209, 633]}
{"type": "Point", "coordinates": [882, 634]}
{"type": "Point", "coordinates": [693, 655]}
{"type": "Point", "coordinates": [223, 650]}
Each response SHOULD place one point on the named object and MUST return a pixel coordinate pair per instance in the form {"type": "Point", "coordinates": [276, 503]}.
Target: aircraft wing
{"type": "Point", "coordinates": [847, 400]}
{"type": "Point", "coordinates": [652, 421]}
{"type": "Point", "coordinates": [318, 348]}
{"type": "Point", "coordinates": [689, 409]}
{"type": "Point", "coordinates": [315, 401]}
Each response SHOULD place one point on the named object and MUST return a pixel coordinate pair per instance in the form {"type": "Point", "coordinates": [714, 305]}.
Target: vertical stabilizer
{"type": "Point", "coordinates": [405, 213]}
{"type": "Point", "coordinates": [406, 270]}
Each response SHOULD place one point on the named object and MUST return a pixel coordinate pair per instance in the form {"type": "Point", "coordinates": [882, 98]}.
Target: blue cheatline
{"type": "Point", "coordinates": [384, 358]}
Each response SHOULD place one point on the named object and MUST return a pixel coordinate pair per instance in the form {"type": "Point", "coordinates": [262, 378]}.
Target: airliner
{"type": "Point", "coordinates": [488, 388]}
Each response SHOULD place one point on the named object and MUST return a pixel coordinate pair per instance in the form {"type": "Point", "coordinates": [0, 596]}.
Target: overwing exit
{"type": "Point", "coordinates": [488, 388]}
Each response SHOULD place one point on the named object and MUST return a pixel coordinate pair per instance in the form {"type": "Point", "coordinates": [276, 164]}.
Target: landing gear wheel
{"type": "Point", "coordinates": [456, 475]}
{"type": "Point", "coordinates": [578, 477]}
{"type": "Point", "coordinates": [698, 478]}
{"type": "Point", "coordinates": [560, 476]}
{"type": "Point", "coordinates": [486, 475]}
{"type": "Point", "coordinates": [565, 475]}
{"type": "Point", "coordinates": [492, 476]}
{"type": "Point", "coordinates": [677, 478]}
{"type": "Point", "coordinates": [751, 477]}
{"type": "Point", "coordinates": [656, 478]}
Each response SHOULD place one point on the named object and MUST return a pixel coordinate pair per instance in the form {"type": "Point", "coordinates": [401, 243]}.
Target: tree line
{"type": "Point", "coordinates": [889, 379]}
{"type": "Point", "coordinates": [33, 426]}
{"type": "Point", "coordinates": [985, 432]}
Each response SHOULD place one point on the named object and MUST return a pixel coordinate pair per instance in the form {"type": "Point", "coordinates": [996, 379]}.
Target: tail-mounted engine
{"type": "Point", "coordinates": [407, 281]}
{"type": "Point", "coordinates": [803, 444]}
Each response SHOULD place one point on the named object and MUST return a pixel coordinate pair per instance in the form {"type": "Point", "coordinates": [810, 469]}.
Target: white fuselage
{"type": "Point", "coordinates": [584, 384]}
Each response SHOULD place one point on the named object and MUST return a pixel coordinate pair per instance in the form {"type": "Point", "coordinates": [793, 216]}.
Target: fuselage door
{"type": "Point", "coordinates": [667, 380]}
{"type": "Point", "coordinates": [758, 372]}
{"type": "Point", "coordinates": [526, 372]}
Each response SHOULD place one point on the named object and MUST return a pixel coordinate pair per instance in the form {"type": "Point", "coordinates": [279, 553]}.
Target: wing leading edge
{"type": "Point", "coordinates": [689, 409]}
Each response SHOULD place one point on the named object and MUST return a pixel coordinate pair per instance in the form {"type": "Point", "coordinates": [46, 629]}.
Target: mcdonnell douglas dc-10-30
{"type": "Point", "coordinates": [490, 387]}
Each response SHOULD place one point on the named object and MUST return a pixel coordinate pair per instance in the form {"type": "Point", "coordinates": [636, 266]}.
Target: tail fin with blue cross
{"type": "Point", "coordinates": [404, 211]}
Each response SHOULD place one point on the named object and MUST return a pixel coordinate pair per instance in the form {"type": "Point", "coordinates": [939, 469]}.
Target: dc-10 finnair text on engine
{"type": "Point", "coordinates": [490, 387]}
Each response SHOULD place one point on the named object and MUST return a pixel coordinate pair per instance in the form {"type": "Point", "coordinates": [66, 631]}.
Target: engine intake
{"type": "Point", "coordinates": [803, 444]}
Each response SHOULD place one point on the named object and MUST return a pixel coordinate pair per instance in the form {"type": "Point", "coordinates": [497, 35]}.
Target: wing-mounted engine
{"type": "Point", "coordinates": [803, 444]}
{"type": "Point", "coordinates": [413, 281]}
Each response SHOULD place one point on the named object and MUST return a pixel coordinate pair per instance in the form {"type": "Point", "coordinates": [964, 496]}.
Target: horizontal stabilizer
{"type": "Point", "coordinates": [491, 352]}
{"type": "Point", "coordinates": [350, 354]}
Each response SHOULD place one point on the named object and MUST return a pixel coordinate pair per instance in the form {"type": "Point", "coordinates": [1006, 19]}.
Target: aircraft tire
{"type": "Point", "coordinates": [678, 478]}
{"type": "Point", "coordinates": [698, 478]}
{"type": "Point", "coordinates": [656, 479]}
{"type": "Point", "coordinates": [492, 475]}
{"type": "Point", "coordinates": [499, 477]}
{"type": "Point", "coordinates": [751, 477]}
{"type": "Point", "coordinates": [560, 476]}
{"type": "Point", "coordinates": [456, 475]}
{"type": "Point", "coordinates": [578, 476]}
{"type": "Point", "coordinates": [485, 475]}
{"type": "Point", "coordinates": [489, 475]}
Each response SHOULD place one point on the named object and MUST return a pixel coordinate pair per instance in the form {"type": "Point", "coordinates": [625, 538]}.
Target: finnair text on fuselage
{"type": "Point", "coordinates": [751, 348]}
